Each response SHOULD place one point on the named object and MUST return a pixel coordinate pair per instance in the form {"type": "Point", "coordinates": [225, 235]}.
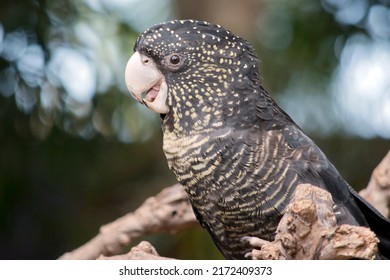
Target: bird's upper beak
{"type": "Point", "coordinates": [146, 83]}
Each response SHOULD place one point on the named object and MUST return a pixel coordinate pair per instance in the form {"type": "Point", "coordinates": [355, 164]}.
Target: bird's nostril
{"type": "Point", "coordinates": [145, 61]}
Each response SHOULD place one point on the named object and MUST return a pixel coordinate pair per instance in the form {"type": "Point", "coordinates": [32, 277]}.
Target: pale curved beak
{"type": "Point", "coordinates": [146, 83]}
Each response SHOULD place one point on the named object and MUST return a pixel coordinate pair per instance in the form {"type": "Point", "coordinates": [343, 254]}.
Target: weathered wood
{"type": "Point", "coordinates": [169, 211]}
{"type": "Point", "coordinates": [378, 189]}
{"type": "Point", "coordinates": [308, 230]}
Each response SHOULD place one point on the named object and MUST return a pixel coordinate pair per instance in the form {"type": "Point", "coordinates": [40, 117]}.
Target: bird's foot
{"type": "Point", "coordinates": [256, 244]}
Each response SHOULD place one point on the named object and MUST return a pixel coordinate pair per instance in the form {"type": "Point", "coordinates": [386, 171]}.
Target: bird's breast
{"type": "Point", "coordinates": [222, 171]}
{"type": "Point", "coordinates": [188, 156]}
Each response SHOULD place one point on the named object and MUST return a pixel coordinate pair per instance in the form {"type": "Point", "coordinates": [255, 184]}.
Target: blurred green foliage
{"type": "Point", "coordinates": [77, 152]}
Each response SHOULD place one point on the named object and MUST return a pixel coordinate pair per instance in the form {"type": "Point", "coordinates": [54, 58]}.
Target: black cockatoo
{"type": "Point", "coordinates": [237, 154]}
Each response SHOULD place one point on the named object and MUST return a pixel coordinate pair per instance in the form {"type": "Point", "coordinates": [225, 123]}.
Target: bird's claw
{"type": "Point", "coordinates": [255, 244]}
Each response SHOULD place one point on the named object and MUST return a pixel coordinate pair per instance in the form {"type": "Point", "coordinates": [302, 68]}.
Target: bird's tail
{"type": "Point", "coordinates": [377, 222]}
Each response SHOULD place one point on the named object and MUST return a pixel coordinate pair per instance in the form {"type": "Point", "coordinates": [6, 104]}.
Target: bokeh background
{"type": "Point", "coordinates": [77, 152]}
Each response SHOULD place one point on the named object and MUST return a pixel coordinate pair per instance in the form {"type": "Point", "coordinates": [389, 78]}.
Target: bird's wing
{"type": "Point", "coordinates": [351, 206]}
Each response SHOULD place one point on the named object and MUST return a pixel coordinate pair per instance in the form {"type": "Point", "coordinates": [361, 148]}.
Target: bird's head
{"type": "Point", "coordinates": [196, 73]}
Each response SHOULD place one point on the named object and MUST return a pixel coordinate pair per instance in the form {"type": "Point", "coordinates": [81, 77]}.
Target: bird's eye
{"type": "Point", "coordinates": [175, 59]}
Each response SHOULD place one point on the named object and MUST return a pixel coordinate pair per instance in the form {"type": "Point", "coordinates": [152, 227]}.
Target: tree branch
{"type": "Point", "coordinates": [378, 189]}
{"type": "Point", "coordinates": [308, 229]}
{"type": "Point", "coordinates": [169, 211]}
{"type": "Point", "coordinates": [143, 251]}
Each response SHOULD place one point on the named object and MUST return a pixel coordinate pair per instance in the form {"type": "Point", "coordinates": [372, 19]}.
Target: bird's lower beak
{"type": "Point", "coordinates": [146, 83]}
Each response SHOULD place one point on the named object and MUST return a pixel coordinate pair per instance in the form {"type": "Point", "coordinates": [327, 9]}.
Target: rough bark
{"type": "Point", "coordinates": [378, 189]}
{"type": "Point", "coordinates": [143, 251]}
{"type": "Point", "coordinates": [308, 230]}
{"type": "Point", "coordinates": [169, 211]}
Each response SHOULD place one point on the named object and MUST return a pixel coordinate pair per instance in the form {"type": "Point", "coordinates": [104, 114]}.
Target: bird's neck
{"type": "Point", "coordinates": [183, 121]}
{"type": "Point", "coordinates": [207, 110]}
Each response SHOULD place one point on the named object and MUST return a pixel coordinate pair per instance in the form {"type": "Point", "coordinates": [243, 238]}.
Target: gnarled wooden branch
{"type": "Point", "coordinates": [308, 230]}
{"type": "Point", "coordinates": [170, 211]}
{"type": "Point", "coordinates": [143, 251]}
{"type": "Point", "coordinates": [378, 189]}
